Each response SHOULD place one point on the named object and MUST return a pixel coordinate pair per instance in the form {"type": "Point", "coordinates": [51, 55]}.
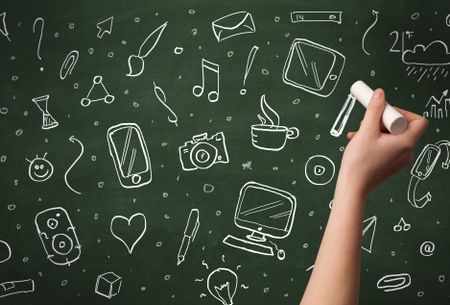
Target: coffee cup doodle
{"type": "Point", "coordinates": [270, 135]}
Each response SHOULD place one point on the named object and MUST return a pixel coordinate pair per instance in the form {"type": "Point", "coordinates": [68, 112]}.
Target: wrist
{"type": "Point", "coordinates": [350, 184]}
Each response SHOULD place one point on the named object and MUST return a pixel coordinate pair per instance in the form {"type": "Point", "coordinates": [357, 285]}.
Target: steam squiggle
{"type": "Point", "coordinates": [267, 109]}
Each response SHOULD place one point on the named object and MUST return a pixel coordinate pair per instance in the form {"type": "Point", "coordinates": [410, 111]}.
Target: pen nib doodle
{"type": "Point", "coordinates": [363, 41]}
{"type": "Point", "coordinates": [105, 27]}
{"type": "Point", "coordinates": [161, 96]}
{"type": "Point", "coordinates": [48, 121]}
{"type": "Point", "coordinates": [222, 284]}
{"type": "Point", "coordinates": [40, 169]}
{"type": "Point", "coordinates": [270, 135]}
{"type": "Point", "coordinates": [129, 230]}
{"type": "Point", "coordinates": [190, 231]}
{"type": "Point", "coordinates": [3, 28]}
{"type": "Point", "coordinates": [73, 139]}
{"type": "Point", "coordinates": [136, 63]}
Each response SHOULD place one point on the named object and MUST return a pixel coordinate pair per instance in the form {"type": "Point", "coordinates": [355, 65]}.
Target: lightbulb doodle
{"type": "Point", "coordinates": [222, 284]}
{"type": "Point", "coordinates": [319, 170]}
{"type": "Point", "coordinates": [40, 169]}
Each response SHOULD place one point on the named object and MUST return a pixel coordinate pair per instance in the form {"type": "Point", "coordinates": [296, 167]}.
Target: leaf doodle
{"type": "Point", "coordinates": [172, 117]}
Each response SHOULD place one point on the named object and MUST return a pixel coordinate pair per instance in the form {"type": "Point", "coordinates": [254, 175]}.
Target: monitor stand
{"type": "Point", "coordinates": [253, 243]}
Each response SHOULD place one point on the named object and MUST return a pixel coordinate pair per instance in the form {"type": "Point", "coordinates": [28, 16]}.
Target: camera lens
{"type": "Point", "coordinates": [52, 223]}
{"type": "Point", "coordinates": [62, 244]}
{"type": "Point", "coordinates": [203, 155]}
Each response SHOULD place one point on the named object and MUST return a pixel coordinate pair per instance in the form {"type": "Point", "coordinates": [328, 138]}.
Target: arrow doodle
{"type": "Point", "coordinates": [105, 26]}
{"type": "Point", "coordinates": [73, 139]}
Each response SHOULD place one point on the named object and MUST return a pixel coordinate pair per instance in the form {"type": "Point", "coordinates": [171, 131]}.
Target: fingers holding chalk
{"type": "Point", "coordinates": [374, 113]}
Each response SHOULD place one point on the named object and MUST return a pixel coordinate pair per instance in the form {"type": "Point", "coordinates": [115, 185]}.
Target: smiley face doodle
{"type": "Point", "coordinates": [40, 169]}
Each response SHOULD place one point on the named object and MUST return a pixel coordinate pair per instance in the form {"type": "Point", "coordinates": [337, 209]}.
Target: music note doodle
{"type": "Point", "coordinates": [197, 90]}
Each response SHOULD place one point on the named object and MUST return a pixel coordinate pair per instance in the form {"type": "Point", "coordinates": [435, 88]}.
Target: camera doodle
{"type": "Point", "coordinates": [202, 152]}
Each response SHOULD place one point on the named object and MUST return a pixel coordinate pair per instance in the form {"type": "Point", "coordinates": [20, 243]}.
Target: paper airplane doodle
{"type": "Point", "coordinates": [3, 29]}
{"type": "Point", "coordinates": [48, 121]}
{"type": "Point", "coordinates": [437, 108]}
{"type": "Point", "coordinates": [105, 27]}
{"type": "Point", "coordinates": [136, 63]}
{"type": "Point", "coordinates": [97, 82]}
{"type": "Point", "coordinates": [129, 230]}
{"type": "Point", "coordinates": [369, 228]}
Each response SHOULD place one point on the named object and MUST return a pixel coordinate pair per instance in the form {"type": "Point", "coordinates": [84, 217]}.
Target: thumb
{"type": "Point", "coordinates": [374, 112]}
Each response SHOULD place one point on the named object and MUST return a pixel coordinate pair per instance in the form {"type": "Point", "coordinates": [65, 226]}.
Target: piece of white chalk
{"type": "Point", "coordinates": [393, 120]}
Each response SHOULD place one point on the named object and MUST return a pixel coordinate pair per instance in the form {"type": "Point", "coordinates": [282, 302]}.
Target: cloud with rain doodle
{"type": "Point", "coordinates": [434, 54]}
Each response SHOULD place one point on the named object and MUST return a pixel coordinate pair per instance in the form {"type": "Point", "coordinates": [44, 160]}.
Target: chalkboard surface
{"type": "Point", "coordinates": [186, 152]}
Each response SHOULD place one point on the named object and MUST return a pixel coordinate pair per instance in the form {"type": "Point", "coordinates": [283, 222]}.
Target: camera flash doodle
{"type": "Point", "coordinates": [40, 169]}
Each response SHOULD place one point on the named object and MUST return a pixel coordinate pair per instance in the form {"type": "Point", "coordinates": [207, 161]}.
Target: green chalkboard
{"type": "Point", "coordinates": [152, 151]}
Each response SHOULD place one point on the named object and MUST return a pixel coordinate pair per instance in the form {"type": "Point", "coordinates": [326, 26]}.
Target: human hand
{"type": "Point", "coordinates": [373, 154]}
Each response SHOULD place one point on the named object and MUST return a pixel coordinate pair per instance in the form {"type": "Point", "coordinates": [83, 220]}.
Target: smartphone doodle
{"type": "Point", "coordinates": [58, 236]}
{"type": "Point", "coordinates": [130, 155]}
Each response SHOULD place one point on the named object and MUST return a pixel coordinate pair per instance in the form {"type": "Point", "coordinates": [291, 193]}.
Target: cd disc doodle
{"type": "Point", "coordinates": [319, 170]}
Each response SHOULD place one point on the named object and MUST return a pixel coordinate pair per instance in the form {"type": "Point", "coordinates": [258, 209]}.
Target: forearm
{"type": "Point", "coordinates": [335, 278]}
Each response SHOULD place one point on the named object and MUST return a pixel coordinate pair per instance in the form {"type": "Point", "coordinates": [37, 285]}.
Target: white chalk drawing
{"type": "Point", "coordinates": [136, 63]}
{"type": "Point", "coordinates": [363, 40]}
{"type": "Point", "coordinates": [269, 134]}
{"type": "Point", "coordinates": [58, 236]}
{"type": "Point", "coordinates": [247, 165]}
{"type": "Point", "coordinates": [265, 211]}
{"type": "Point", "coordinates": [312, 67]}
{"type": "Point", "coordinates": [161, 96]}
{"type": "Point", "coordinates": [108, 284]}
{"type": "Point", "coordinates": [422, 169]}
{"type": "Point", "coordinates": [234, 24]}
{"type": "Point", "coordinates": [97, 82]}
{"type": "Point", "coordinates": [316, 16]}
{"type": "Point", "coordinates": [222, 284]}
{"type": "Point", "coordinates": [447, 20]}
{"type": "Point", "coordinates": [248, 66]}
{"type": "Point", "coordinates": [368, 233]}
{"type": "Point", "coordinates": [202, 151]}
{"type": "Point", "coordinates": [40, 169]}
{"type": "Point", "coordinates": [68, 64]}
{"type": "Point", "coordinates": [190, 231]}
{"type": "Point", "coordinates": [402, 225]}
{"type": "Point", "coordinates": [16, 287]}
{"type": "Point", "coordinates": [437, 108]}
{"type": "Point", "coordinates": [73, 139]}
{"type": "Point", "coordinates": [5, 251]}
{"type": "Point", "coordinates": [48, 121]}
{"type": "Point", "coordinates": [319, 170]}
{"type": "Point", "coordinates": [129, 152]}
{"type": "Point", "coordinates": [105, 27]}
{"type": "Point", "coordinates": [3, 28]}
{"type": "Point", "coordinates": [214, 72]}
{"type": "Point", "coordinates": [38, 49]}
{"type": "Point", "coordinates": [393, 282]}
{"type": "Point", "coordinates": [426, 54]}
{"type": "Point", "coordinates": [342, 118]}
{"type": "Point", "coordinates": [137, 223]}
{"type": "Point", "coordinates": [396, 48]}
{"type": "Point", "coordinates": [427, 248]}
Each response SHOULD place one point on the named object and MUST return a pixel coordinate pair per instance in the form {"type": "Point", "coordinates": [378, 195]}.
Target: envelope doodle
{"type": "Point", "coordinates": [233, 24]}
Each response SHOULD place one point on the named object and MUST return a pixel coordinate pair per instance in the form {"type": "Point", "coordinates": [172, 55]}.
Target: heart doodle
{"type": "Point", "coordinates": [129, 230]}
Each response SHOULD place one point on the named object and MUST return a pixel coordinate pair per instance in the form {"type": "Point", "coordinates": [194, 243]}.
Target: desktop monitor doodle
{"type": "Point", "coordinates": [266, 212]}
